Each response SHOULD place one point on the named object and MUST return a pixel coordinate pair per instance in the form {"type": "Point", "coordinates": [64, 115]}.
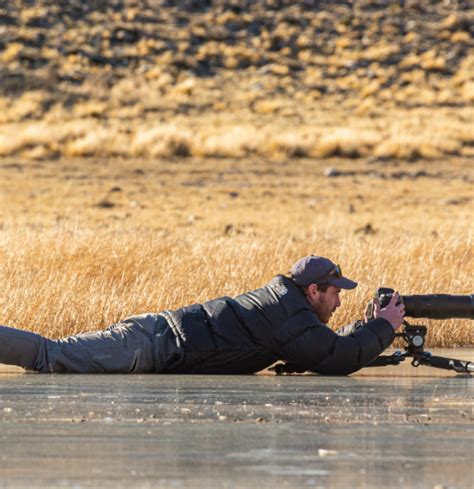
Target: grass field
{"type": "Point", "coordinates": [87, 242]}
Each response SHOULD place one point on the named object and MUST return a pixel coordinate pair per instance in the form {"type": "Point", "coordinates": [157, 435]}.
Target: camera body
{"type": "Point", "coordinates": [384, 295]}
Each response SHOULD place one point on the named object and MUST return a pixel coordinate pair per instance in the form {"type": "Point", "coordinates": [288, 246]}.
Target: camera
{"type": "Point", "coordinates": [431, 306]}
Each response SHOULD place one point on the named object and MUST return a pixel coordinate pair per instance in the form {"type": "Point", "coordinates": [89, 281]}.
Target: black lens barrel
{"type": "Point", "coordinates": [439, 306]}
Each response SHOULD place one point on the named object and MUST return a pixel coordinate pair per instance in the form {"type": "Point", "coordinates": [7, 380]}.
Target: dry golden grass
{"type": "Point", "coordinates": [175, 232]}
{"type": "Point", "coordinates": [65, 280]}
{"type": "Point", "coordinates": [429, 134]}
{"type": "Point", "coordinates": [238, 114]}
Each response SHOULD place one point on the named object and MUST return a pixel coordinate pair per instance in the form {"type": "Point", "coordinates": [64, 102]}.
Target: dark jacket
{"type": "Point", "coordinates": [254, 330]}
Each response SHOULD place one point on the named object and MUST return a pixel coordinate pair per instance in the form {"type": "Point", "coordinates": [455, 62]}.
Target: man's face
{"type": "Point", "coordinates": [324, 303]}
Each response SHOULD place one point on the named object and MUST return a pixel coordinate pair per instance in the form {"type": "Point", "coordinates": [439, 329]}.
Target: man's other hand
{"type": "Point", "coordinates": [393, 312]}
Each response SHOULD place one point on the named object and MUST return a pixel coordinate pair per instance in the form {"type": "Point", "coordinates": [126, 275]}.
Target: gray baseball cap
{"type": "Point", "coordinates": [319, 270]}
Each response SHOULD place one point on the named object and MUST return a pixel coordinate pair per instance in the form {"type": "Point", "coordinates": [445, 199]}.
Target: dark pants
{"type": "Point", "coordinates": [126, 347]}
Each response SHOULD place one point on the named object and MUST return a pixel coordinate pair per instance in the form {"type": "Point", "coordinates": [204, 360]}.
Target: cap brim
{"type": "Point", "coordinates": [343, 283]}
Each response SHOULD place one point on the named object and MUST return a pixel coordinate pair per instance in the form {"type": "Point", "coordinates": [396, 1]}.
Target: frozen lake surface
{"type": "Point", "coordinates": [387, 427]}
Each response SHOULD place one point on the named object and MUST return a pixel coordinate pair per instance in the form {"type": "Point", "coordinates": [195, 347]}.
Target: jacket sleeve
{"type": "Point", "coordinates": [321, 350]}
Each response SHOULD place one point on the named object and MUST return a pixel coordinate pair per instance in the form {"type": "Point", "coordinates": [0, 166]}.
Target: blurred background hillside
{"type": "Point", "coordinates": [376, 78]}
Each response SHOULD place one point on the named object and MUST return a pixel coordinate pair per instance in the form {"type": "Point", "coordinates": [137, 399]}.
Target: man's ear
{"type": "Point", "coordinates": [312, 289]}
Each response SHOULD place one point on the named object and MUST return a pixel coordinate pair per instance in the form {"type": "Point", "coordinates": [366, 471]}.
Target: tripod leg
{"type": "Point", "coordinates": [385, 360]}
{"type": "Point", "coordinates": [460, 366]}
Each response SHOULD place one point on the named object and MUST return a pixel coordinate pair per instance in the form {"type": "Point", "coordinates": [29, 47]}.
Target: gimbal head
{"type": "Point", "coordinates": [414, 337]}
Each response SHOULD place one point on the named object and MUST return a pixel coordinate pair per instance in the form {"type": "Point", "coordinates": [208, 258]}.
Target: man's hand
{"type": "Point", "coordinates": [392, 312]}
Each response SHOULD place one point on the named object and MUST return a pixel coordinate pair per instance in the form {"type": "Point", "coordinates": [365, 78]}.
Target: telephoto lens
{"type": "Point", "coordinates": [431, 306]}
{"type": "Point", "coordinates": [439, 306]}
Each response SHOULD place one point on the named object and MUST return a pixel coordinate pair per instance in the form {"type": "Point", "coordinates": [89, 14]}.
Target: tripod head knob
{"type": "Point", "coordinates": [414, 336]}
